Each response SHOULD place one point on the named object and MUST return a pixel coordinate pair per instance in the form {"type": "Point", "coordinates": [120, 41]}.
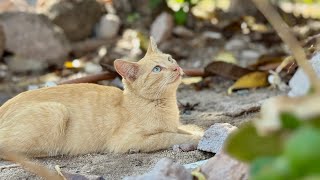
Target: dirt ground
{"type": "Point", "coordinates": [215, 106]}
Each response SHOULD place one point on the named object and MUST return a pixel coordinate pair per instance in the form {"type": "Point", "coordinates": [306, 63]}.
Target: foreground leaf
{"type": "Point", "coordinates": [251, 80]}
{"type": "Point", "coordinates": [246, 145]}
{"type": "Point", "coordinates": [289, 121]}
{"type": "Point", "coordinates": [302, 151]}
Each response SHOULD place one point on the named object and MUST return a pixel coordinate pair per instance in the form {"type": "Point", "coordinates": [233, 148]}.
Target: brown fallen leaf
{"type": "Point", "coordinates": [227, 70]}
{"type": "Point", "coordinates": [268, 62]}
{"type": "Point", "coordinates": [251, 80]}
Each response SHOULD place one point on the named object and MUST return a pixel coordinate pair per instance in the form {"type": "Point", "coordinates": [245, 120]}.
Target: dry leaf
{"type": "Point", "coordinates": [191, 80]}
{"type": "Point", "coordinates": [251, 80]}
{"type": "Point", "coordinates": [268, 62]}
{"type": "Point", "coordinates": [226, 56]}
{"type": "Point", "coordinates": [226, 70]}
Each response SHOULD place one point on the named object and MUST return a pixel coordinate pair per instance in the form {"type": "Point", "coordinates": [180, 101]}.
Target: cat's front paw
{"type": "Point", "coordinates": [185, 147]}
{"type": "Point", "coordinates": [134, 151]}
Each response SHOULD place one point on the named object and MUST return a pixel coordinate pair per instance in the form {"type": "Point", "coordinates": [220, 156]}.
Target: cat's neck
{"type": "Point", "coordinates": [134, 99]}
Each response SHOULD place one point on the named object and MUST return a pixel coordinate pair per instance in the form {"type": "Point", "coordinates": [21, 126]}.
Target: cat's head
{"type": "Point", "coordinates": [155, 76]}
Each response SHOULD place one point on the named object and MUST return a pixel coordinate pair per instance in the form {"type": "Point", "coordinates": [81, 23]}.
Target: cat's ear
{"type": "Point", "coordinates": [128, 70]}
{"type": "Point", "coordinates": [152, 48]}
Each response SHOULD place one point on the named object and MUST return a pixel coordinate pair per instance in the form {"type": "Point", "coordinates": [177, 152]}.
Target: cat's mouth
{"type": "Point", "coordinates": [176, 78]}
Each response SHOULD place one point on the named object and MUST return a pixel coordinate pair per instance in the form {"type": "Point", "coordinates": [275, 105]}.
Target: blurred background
{"type": "Point", "coordinates": [44, 42]}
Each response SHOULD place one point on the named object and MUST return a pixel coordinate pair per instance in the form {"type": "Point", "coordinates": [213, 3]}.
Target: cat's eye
{"type": "Point", "coordinates": [156, 69]}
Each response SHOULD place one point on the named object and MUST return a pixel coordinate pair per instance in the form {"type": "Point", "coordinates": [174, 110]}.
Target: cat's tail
{"type": "Point", "coordinates": [29, 165]}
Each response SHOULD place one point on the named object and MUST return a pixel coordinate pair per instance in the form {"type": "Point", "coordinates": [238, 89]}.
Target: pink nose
{"type": "Point", "coordinates": [177, 68]}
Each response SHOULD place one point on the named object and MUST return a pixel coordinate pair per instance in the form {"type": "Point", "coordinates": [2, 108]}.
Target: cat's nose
{"type": "Point", "coordinates": [177, 68]}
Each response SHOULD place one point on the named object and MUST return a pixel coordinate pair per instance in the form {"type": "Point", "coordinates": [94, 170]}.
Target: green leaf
{"type": "Point", "coordinates": [260, 163]}
{"type": "Point", "coordinates": [315, 122]}
{"type": "Point", "coordinates": [289, 121]}
{"type": "Point", "coordinates": [273, 169]}
{"type": "Point", "coordinates": [154, 3]}
{"type": "Point", "coordinates": [246, 145]}
{"type": "Point", "coordinates": [180, 17]}
{"type": "Point", "coordinates": [302, 151]}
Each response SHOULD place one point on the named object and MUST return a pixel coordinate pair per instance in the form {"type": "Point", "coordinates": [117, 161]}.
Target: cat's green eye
{"type": "Point", "coordinates": [156, 69]}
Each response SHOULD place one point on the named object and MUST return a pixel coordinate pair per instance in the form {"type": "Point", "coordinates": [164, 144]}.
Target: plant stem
{"type": "Point", "coordinates": [287, 36]}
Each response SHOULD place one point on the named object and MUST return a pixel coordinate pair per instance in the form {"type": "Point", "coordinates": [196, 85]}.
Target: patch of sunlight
{"type": "Point", "coordinates": [204, 9]}
{"type": "Point", "coordinates": [302, 9]}
{"type": "Point", "coordinates": [191, 80]}
{"type": "Point", "coordinates": [226, 56]}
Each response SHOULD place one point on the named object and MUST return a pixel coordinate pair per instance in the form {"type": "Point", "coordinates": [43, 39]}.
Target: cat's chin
{"type": "Point", "coordinates": [176, 80]}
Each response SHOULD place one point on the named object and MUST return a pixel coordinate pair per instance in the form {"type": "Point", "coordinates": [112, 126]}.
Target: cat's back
{"type": "Point", "coordinates": [69, 94]}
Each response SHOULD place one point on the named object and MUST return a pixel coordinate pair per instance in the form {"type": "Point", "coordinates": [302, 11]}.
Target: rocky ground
{"type": "Point", "coordinates": [43, 42]}
{"type": "Point", "coordinates": [215, 106]}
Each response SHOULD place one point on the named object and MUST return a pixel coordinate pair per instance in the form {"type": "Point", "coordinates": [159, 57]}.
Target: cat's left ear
{"type": "Point", "coordinates": [128, 70]}
{"type": "Point", "coordinates": [152, 48]}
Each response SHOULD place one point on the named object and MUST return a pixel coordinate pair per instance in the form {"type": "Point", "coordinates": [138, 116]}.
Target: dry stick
{"type": "Point", "coordinates": [91, 78]}
{"type": "Point", "coordinates": [107, 76]}
{"type": "Point", "coordinates": [194, 72]}
{"type": "Point", "coordinates": [286, 35]}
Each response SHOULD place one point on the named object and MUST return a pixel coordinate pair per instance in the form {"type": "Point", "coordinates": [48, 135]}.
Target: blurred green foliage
{"type": "Point", "coordinates": [289, 153]}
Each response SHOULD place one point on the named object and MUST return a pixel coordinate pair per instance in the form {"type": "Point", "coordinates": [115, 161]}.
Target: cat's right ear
{"type": "Point", "coordinates": [128, 70]}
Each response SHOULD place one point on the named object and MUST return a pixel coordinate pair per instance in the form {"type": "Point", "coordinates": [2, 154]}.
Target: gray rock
{"type": "Point", "coordinates": [249, 56]}
{"type": "Point", "coordinates": [222, 166]}
{"type": "Point", "coordinates": [235, 44]}
{"type": "Point", "coordinates": [183, 32]}
{"type": "Point", "coordinates": [77, 18]}
{"type": "Point", "coordinates": [20, 64]}
{"type": "Point", "coordinates": [32, 36]}
{"type": "Point", "coordinates": [300, 83]}
{"type": "Point", "coordinates": [2, 41]}
{"type": "Point", "coordinates": [165, 169]}
{"type": "Point", "coordinates": [215, 136]}
{"type": "Point", "coordinates": [108, 26]}
{"type": "Point", "coordinates": [212, 35]}
{"type": "Point", "coordinates": [162, 26]}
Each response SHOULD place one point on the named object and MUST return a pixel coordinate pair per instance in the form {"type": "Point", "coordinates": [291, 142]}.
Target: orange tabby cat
{"type": "Point", "coordinates": [84, 118]}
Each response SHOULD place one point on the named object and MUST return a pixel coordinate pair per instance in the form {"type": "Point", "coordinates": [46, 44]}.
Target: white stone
{"type": "Point", "coordinates": [92, 68]}
{"type": "Point", "coordinates": [214, 137]}
{"type": "Point", "coordinates": [212, 35]}
{"type": "Point", "coordinates": [250, 54]}
{"type": "Point", "coordinates": [182, 31]}
{"type": "Point", "coordinates": [195, 164]}
{"type": "Point", "coordinates": [161, 27]}
{"type": "Point", "coordinates": [235, 44]}
{"type": "Point", "coordinates": [108, 26]}
{"type": "Point", "coordinates": [300, 83]}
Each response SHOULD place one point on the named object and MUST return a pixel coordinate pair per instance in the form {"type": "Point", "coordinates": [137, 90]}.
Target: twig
{"type": "Point", "coordinates": [91, 78]}
{"type": "Point", "coordinates": [194, 72]}
{"type": "Point", "coordinates": [286, 35]}
{"type": "Point", "coordinates": [108, 76]}
{"type": "Point", "coordinates": [9, 166]}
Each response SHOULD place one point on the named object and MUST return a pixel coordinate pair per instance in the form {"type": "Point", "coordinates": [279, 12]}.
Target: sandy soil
{"type": "Point", "coordinates": [214, 106]}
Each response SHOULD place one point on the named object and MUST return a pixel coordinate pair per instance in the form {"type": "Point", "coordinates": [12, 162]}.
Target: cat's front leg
{"type": "Point", "coordinates": [164, 140]}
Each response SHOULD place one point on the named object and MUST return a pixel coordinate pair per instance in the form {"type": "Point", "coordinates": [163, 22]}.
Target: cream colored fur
{"type": "Point", "coordinates": [84, 118]}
